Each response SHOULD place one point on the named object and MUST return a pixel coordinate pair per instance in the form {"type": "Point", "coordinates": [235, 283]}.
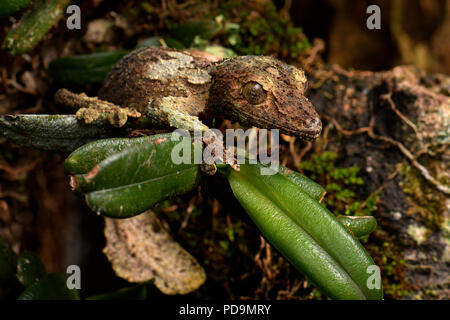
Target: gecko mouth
{"type": "Point", "coordinates": [305, 134]}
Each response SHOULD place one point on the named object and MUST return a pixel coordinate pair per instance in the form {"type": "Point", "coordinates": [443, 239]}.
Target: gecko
{"type": "Point", "coordinates": [186, 89]}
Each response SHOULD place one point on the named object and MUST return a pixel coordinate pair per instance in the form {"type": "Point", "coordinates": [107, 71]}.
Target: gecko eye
{"type": "Point", "coordinates": [254, 92]}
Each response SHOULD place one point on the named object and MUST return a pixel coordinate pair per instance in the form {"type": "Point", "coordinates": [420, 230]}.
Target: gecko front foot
{"type": "Point", "coordinates": [208, 169]}
{"type": "Point", "coordinates": [91, 109]}
{"type": "Point", "coordinates": [219, 154]}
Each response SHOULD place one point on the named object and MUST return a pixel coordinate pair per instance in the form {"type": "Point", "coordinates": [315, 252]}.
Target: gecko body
{"type": "Point", "coordinates": [181, 89]}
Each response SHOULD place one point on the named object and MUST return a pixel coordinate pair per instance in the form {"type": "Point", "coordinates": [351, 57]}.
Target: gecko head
{"type": "Point", "coordinates": [264, 92]}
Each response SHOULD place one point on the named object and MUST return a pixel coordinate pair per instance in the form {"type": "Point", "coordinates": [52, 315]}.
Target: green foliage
{"type": "Point", "coordinates": [30, 268]}
{"type": "Point", "coordinates": [51, 287]}
{"type": "Point", "coordinates": [359, 226]}
{"type": "Point", "coordinates": [319, 165]}
{"type": "Point", "coordinates": [159, 42]}
{"type": "Point", "coordinates": [396, 290]}
{"type": "Point", "coordinates": [137, 292]}
{"type": "Point", "coordinates": [36, 284]}
{"type": "Point", "coordinates": [193, 31]}
{"type": "Point", "coordinates": [340, 185]}
{"type": "Point", "coordinates": [33, 26]}
{"type": "Point", "coordinates": [129, 176]}
{"type": "Point", "coordinates": [11, 6]}
{"type": "Point", "coordinates": [314, 190]}
{"type": "Point", "coordinates": [84, 68]}
{"type": "Point", "coordinates": [423, 199]}
{"type": "Point", "coordinates": [393, 268]}
{"type": "Point", "coordinates": [305, 232]}
{"type": "Point", "coordinates": [261, 32]}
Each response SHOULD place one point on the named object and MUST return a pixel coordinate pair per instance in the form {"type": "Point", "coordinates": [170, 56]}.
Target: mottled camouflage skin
{"type": "Point", "coordinates": [176, 88]}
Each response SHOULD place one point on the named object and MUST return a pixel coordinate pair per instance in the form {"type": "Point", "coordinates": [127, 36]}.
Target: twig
{"type": "Point", "coordinates": [304, 151]}
{"type": "Point", "coordinates": [400, 146]}
{"type": "Point", "coordinates": [14, 172]}
{"type": "Point", "coordinates": [292, 151]}
{"type": "Point", "coordinates": [412, 158]}
{"type": "Point", "coordinates": [346, 132]}
{"type": "Point", "coordinates": [188, 214]}
{"type": "Point", "coordinates": [388, 98]}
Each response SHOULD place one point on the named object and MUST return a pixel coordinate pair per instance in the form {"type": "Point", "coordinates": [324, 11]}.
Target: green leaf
{"type": "Point", "coordinates": [33, 26]}
{"type": "Point", "coordinates": [158, 41]}
{"type": "Point", "coordinates": [137, 292]}
{"type": "Point", "coordinates": [10, 6]}
{"type": "Point", "coordinates": [358, 225]}
{"type": "Point", "coordinates": [84, 68]}
{"type": "Point", "coordinates": [30, 268]}
{"type": "Point", "coordinates": [51, 287]}
{"type": "Point", "coordinates": [133, 180]}
{"type": "Point", "coordinates": [83, 159]}
{"type": "Point", "coordinates": [305, 232]}
{"type": "Point", "coordinates": [312, 188]}
{"type": "Point", "coordinates": [187, 31]}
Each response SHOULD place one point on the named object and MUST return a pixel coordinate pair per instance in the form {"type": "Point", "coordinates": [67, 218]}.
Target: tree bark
{"type": "Point", "coordinates": [395, 125]}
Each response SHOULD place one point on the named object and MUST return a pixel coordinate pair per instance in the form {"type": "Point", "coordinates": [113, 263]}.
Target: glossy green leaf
{"type": "Point", "coordinates": [158, 41]}
{"type": "Point", "coordinates": [83, 159]}
{"type": "Point", "coordinates": [133, 180]}
{"type": "Point", "coordinates": [312, 188]}
{"type": "Point", "coordinates": [10, 6]}
{"type": "Point", "coordinates": [51, 287]}
{"type": "Point", "coordinates": [305, 232]}
{"type": "Point", "coordinates": [187, 31]}
{"type": "Point", "coordinates": [359, 225]}
{"type": "Point", "coordinates": [85, 68]}
{"type": "Point", "coordinates": [33, 26]}
{"type": "Point", "coordinates": [30, 268]}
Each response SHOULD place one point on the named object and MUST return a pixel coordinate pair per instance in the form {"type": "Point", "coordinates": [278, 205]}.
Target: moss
{"type": "Point", "coordinates": [393, 269]}
{"type": "Point", "coordinates": [261, 30]}
{"type": "Point", "coordinates": [418, 233]}
{"type": "Point", "coordinates": [264, 32]}
{"type": "Point", "coordinates": [340, 184]}
{"type": "Point", "coordinates": [425, 202]}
